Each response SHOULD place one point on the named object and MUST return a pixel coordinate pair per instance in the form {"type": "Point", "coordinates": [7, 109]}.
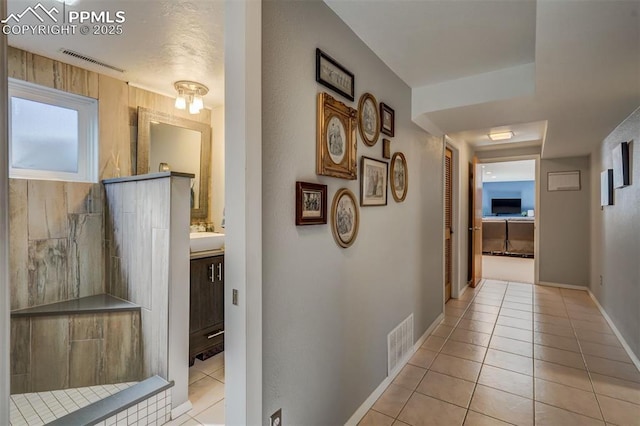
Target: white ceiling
{"type": "Point", "coordinates": [584, 78]}
{"type": "Point", "coordinates": [509, 171]}
{"type": "Point", "coordinates": [524, 135]}
{"type": "Point", "coordinates": [163, 41]}
{"type": "Point", "coordinates": [427, 42]}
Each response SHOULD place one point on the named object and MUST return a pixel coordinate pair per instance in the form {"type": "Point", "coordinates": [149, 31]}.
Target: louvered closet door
{"type": "Point", "coordinates": [448, 221]}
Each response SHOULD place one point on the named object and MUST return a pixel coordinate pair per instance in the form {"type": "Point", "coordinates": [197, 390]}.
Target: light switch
{"type": "Point", "coordinates": [235, 296]}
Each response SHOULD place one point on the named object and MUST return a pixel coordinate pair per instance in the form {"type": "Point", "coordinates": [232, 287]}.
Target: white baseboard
{"type": "Point", "coordinates": [461, 292]}
{"type": "Point", "coordinates": [181, 409]}
{"type": "Point", "coordinates": [625, 345]}
{"type": "Point", "coordinates": [368, 403]}
{"type": "Point", "coordinates": [569, 286]}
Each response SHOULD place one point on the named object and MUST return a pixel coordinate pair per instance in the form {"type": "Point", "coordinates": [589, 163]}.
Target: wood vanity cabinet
{"type": "Point", "coordinates": [206, 316]}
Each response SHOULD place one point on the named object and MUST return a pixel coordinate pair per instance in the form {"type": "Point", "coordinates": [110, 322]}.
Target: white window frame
{"type": "Point", "coordinates": [87, 109]}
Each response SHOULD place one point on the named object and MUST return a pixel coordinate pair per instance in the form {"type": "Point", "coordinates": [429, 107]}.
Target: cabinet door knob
{"type": "Point", "coordinates": [220, 271]}
{"type": "Point", "coordinates": [211, 273]}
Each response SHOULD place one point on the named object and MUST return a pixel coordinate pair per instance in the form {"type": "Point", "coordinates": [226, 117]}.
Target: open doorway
{"type": "Point", "coordinates": [509, 204]}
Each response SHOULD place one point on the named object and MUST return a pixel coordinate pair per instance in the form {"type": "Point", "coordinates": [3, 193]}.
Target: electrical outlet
{"type": "Point", "coordinates": [600, 279]}
{"type": "Point", "coordinates": [276, 418]}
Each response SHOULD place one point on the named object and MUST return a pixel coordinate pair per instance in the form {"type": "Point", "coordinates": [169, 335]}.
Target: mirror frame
{"type": "Point", "coordinates": [145, 117]}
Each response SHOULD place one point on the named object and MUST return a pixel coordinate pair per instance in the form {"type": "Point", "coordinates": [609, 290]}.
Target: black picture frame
{"type": "Point", "coordinates": [606, 188]}
{"type": "Point", "coordinates": [387, 120]}
{"type": "Point", "coordinates": [620, 154]}
{"type": "Point", "coordinates": [331, 74]}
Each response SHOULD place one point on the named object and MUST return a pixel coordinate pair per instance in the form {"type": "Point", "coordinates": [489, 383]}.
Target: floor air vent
{"type": "Point", "coordinates": [399, 344]}
{"type": "Point", "coordinates": [89, 59]}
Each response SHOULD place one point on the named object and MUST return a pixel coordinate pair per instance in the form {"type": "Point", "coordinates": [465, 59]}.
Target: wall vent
{"type": "Point", "coordinates": [90, 59]}
{"type": "Point", "coordinates": [399, 345]}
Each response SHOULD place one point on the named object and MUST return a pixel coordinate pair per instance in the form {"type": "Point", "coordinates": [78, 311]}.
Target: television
{"type": "Point", "coordinates": [506, 206]}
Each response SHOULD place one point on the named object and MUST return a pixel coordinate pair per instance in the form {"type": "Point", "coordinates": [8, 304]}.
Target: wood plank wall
{"type": "Point", "coordinates": [58, 246]}
{"type": "Point", "coordinates": [70, 351]}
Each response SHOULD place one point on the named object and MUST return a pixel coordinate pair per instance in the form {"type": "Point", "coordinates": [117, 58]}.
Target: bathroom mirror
{"type": "Point", "coordinates": [167, 142]}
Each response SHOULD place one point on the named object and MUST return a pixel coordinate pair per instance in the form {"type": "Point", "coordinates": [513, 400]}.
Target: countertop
{"type": "Point", "coordinates": [91, 304]}
{"type": "Point", "coordinates": [147, 176]}
{"type": "Point", "coordinates": [208, 253]}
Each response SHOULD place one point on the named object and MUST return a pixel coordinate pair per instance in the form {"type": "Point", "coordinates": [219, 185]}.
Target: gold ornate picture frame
{"type": "Point", "coordinates": [336, 138]}
{"type": "Point", "coordinates": [368, 119]}
{"type": "Point", "coordinates": [345, 218]}
{"type": "Point", "coordinates": [399, 177]}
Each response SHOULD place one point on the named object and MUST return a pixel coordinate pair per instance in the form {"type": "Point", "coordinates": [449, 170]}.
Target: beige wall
{"type": "Point", "coordinates": [615, 231]}
{"type": "Point", "coordinates": [564, 225]}
{"type": "Point", "coordinates": [327, 310]}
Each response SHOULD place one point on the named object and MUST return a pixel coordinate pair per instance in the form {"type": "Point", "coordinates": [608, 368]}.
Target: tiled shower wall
{"type": "Point", "coordinates": [56, 239]}
{"type": "Point", "coordinates": [70, 351]}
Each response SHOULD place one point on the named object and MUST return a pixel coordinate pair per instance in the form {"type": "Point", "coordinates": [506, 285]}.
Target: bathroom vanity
{"type": "Point", "coordinates": [206, 315]}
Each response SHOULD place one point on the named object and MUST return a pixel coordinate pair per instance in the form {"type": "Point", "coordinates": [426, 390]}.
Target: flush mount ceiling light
{"type": "Point", "coordinates": [190, 94]}
{"type": "Point", "coordinates": [501, 136]}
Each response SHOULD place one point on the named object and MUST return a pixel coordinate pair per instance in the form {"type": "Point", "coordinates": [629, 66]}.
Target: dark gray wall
{"type": "Point", "coordinates": [615, 230]}
{"type": "Point", "coordinates": [564, 225]}
{"type": "Point", "coordinates": [327, 310]}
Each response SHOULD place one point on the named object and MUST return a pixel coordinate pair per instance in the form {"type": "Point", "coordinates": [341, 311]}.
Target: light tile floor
{"type": "Point", "coordinates": [206, 393]}
{"type": "Point", "coordinates": [514, 353]}
{"type": "Point", "coordinates": [39, 408]}
{"type": "Point", "coordinates": [507, 268]}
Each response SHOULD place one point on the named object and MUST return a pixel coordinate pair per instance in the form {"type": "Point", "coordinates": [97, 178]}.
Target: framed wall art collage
{"type": "Point", "coordinates": [337, 128]}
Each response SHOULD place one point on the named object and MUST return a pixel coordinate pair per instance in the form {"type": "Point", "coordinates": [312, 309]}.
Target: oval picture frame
{"type": "Point", "coordinates": [399, 177]}
{"type": "Point", "coordinates": [368, 119]}
{"type": "Point", "coordinates": [345, 217]}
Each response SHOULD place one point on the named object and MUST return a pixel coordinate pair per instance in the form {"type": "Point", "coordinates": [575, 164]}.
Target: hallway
{"type": "Point", "coordinates": [513, 353]}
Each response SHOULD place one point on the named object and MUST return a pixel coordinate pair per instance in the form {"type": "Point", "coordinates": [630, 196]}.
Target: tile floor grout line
{"type": "Point", "coordinates": [466, 413]}
{"type": "Point", "coordinates": [584, 360]}
{"type": "Point", "coordinates": [438, 352]}
{"type": "Point", "coordinates": [475, 386]}
{"type": "Point", "coordinates": [533, 363]}
{"type": "Point", "coordinates": [20, 411]}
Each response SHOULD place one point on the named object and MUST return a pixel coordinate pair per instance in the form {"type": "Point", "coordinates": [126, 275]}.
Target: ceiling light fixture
{"type": "Point", "coordinates": [501, 136]}
{"type": "Point", "coordinates": [190, 93]}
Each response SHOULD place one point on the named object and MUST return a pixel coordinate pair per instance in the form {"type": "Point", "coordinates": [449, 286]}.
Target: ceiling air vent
{"type": "Point", "coordinates": [89, 59]}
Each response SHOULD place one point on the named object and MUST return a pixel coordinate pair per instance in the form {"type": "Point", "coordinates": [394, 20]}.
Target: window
{"type": "Point", "coordinates": [53, 135]}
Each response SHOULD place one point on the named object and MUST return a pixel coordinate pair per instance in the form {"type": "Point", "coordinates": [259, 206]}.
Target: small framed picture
{"type": "Point", "coordinates": [386, 148]}
{"type": "Point", "coordinates": [620, 155]}
{"type": "Point", "coordinates": [345, 218]}
{"type": "Point", "coordinates": [399, 177]}
{"type": "Point", "coordinates": [331, 74]}
{"type": "Point", "coordinates": [387, 120]}
{"type": "Point", "coordinates": [373, 182]}
{"type": "Point", "coordinates": [606, 188]}
{"type": "Point", "coordinates": [368, 119]}
{"type": "Point", "coordinates": [336, 139]}
{"type": "Point", "coordinates": [311, 203]}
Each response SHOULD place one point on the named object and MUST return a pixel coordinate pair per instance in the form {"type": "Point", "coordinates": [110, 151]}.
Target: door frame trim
{"type": "Point", "coordinates": [4, 235]}
{"type": "Point", "coordinates": [536, 220]}
{"type": "Point", "coordinates": [456, 243]}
